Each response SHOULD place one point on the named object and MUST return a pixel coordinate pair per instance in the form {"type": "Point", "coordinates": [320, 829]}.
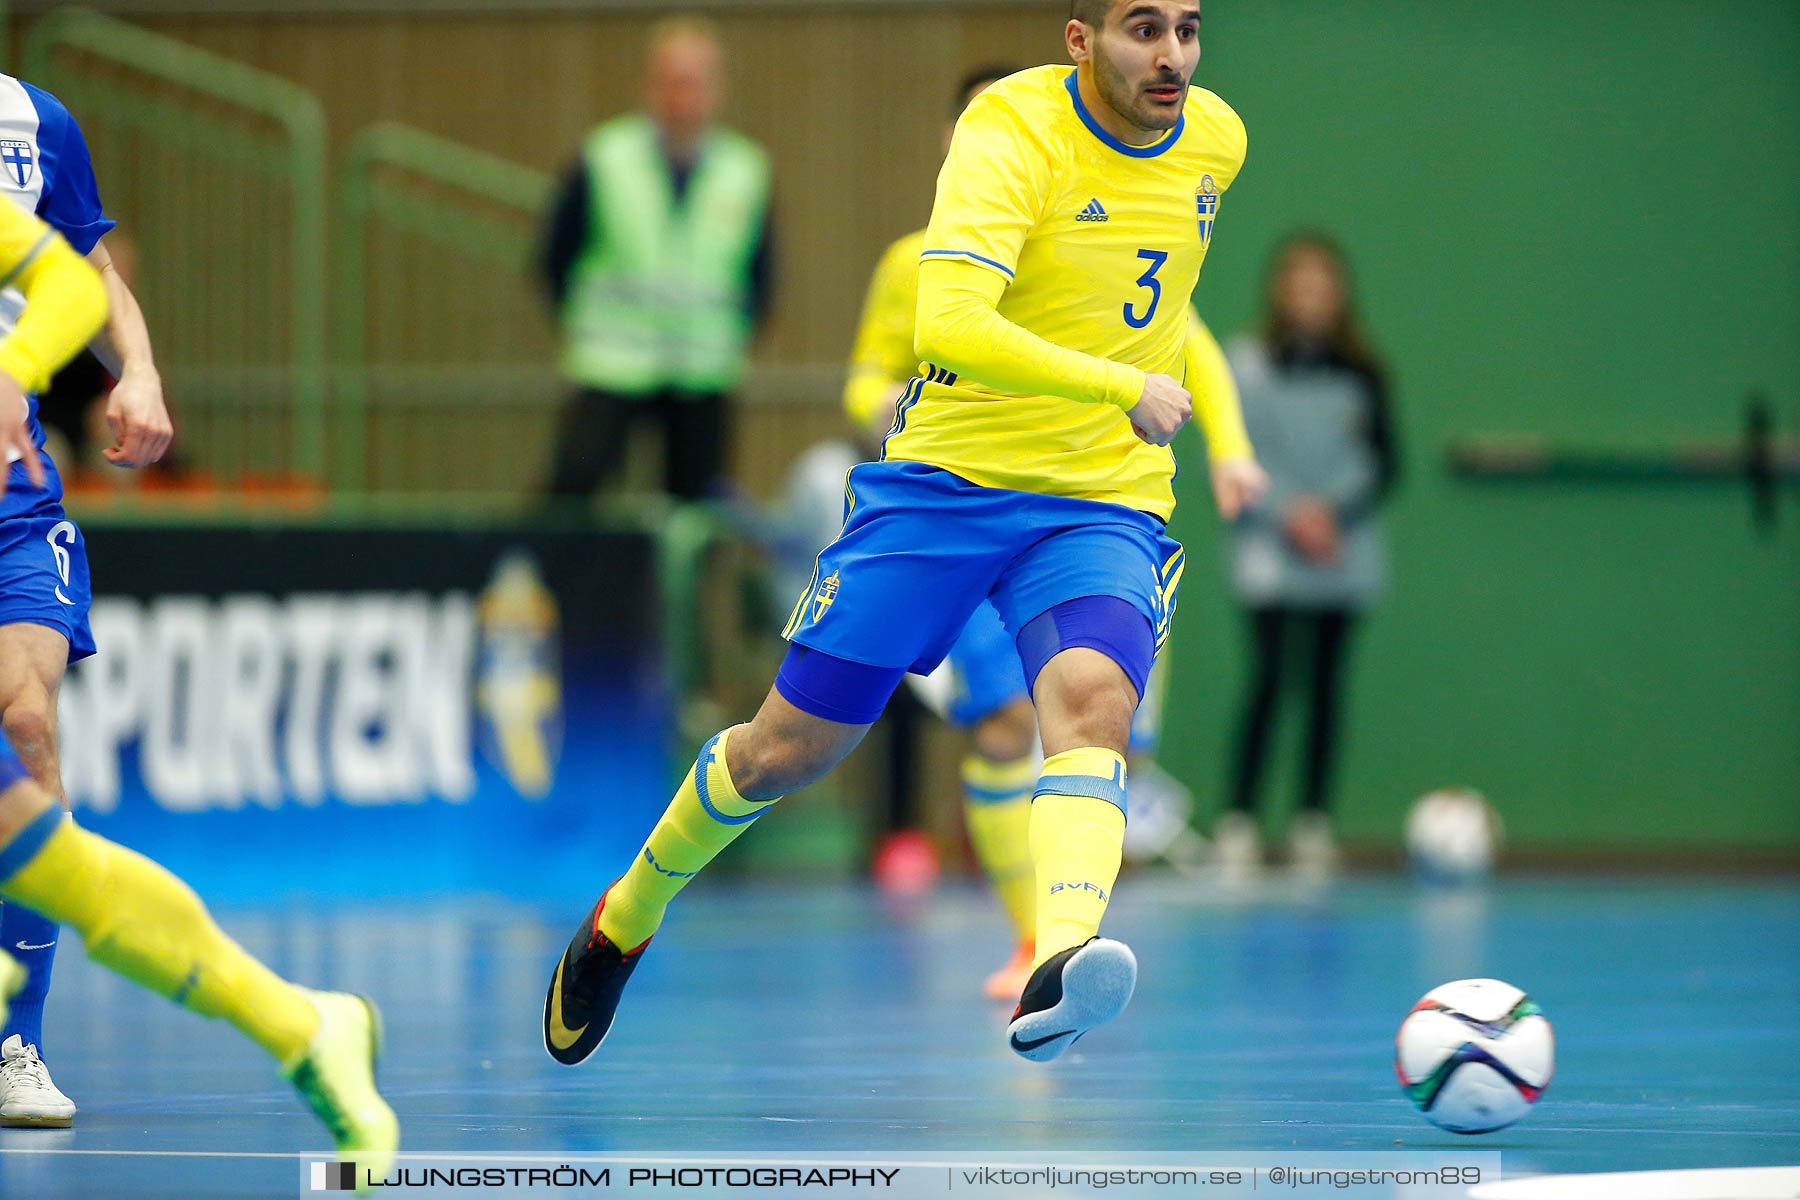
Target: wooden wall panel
{"type": "Point", "coordinates": [850, 105]}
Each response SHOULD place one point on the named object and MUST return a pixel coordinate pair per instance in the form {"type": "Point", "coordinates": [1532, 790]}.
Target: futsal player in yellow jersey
{"type": "Point", "coordinates": [989, 699]}
{"type": "Point", "coordinates": [1029, 465]}
{"type": "Point", "coordinates": [134, 916]}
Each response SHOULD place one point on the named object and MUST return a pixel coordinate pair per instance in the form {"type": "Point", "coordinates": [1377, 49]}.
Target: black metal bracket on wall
{"type": "Point", "coordinates": [1758, 459]}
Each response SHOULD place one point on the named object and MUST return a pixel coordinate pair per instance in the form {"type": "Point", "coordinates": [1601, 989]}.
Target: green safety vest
{"type": "Point", "coordinates": [658, 299]}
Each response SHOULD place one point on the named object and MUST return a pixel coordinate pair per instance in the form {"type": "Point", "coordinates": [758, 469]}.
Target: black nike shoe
{"type": "Point", "coordinates": [584, 992]}
{"type": "Point", "coordinates": [1073, 991]}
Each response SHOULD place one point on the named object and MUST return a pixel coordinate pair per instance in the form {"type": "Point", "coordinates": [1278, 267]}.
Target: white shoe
{"type": "Point", "coordinates": [1312, 848]}
{"type": "Point", "coordinates": [27, 1096]}
{"type": "Point", "coordinates": [1069, 994]}
{"type": "Point", "coordinates": [1237, 846]}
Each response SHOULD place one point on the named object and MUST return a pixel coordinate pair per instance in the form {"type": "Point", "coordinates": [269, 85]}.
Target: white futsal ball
{"type": "Point", "coordinates": [1474, 1055]}
{"type": "Point", "coordinates": [1452, 835]}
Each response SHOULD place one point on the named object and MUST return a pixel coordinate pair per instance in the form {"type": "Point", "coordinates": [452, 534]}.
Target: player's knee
{"type": "Point", "coordinates": [1008, 734]}
{"type": "Point", "coordinates": [1092, 699]}
{"type": "Point", "coordinates": [30, 726]}
{"type": "Point", "coordinates": [1101, 724]}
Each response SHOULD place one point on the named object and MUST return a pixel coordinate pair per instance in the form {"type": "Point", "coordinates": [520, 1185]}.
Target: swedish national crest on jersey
{"type": "Point", "coordinates": [19, 161]}
{"type": "Point", "coordinates": [1206, 207]}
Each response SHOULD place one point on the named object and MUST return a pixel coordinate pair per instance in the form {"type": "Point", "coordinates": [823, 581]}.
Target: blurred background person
{"type": "Point", "coordinates": [657, 258]}
{"type": "Point", "coordinates": [1310, 557]}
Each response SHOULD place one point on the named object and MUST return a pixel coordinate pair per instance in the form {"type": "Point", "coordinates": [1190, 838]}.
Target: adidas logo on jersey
{"type": "Point", "coordinates": [1093, 212]}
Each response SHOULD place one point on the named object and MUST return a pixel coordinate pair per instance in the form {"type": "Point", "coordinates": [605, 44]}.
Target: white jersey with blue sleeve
{"type": "Point", "coordinates": [44, 169]}
{"type": "Point", "coordinates": [44, 164]}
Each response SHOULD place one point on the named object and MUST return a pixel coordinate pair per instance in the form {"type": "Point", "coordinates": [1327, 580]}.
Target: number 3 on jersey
{"type": "Point", "coordinates": [1147, 280]}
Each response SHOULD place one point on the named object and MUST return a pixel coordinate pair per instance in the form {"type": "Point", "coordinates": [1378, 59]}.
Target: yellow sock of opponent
{"type": "Point", "coordinates": [141, 921]}
{"type": "Point", "coordinates": [706, 816]}
{"type": "Point", "coordinates": [997, 806]}
{"type": "Point", "coordinates": [1077, 834]}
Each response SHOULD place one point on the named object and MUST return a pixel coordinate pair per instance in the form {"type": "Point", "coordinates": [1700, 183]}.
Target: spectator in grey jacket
{"type": "Point", "coordinates": [1309, 558]}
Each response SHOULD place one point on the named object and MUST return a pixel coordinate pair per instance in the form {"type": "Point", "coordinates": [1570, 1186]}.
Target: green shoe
{"type": "Point", "coordinates": [336, 1078]}
{"type": "Point", "coordinates": [12, 978]}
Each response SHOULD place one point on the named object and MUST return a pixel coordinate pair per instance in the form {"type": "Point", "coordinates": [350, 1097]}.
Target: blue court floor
{"type": "Point", "coordinates": [825, 1018]}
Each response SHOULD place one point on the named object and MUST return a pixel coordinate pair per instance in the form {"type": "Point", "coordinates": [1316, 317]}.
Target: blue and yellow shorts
{"type": "Point", "coordinates": [921, 549]}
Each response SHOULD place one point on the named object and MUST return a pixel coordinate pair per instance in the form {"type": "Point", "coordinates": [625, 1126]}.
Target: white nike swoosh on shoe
{"type": "Point", "coordinates": [28, 946]}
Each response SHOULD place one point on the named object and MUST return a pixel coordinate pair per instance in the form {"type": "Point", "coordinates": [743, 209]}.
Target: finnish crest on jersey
{"type": "Point", "coordinates": [825, 597]}
{"type": "Point", "coordinates": [18, 159]}
{"type": "Point", "coordinates": [1206, 207]}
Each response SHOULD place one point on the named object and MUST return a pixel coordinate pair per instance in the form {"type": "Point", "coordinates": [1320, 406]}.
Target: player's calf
{"type": "Point", "coordinates": [785, 748]}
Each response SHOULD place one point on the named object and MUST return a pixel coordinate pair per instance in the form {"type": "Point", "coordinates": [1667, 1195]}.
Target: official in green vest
{"type": "Point", "coordinates": [658, 263]}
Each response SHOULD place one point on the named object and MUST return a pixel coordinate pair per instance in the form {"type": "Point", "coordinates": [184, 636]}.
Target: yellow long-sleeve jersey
{"type": "Point", "coordinates": [884, 360]}
{"type": "Point", "coordinates": [1054, 277]}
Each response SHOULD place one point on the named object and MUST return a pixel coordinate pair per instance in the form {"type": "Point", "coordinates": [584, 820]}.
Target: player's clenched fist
{"type": "Point", "coordinates": [1161, 411]}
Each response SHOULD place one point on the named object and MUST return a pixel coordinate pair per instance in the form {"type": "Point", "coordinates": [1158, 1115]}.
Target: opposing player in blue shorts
{"type": "Point", "coordinates": [136, 918]}
{"type": "Point", "coordinates": [44, 592]}
{"type": "Point", "coordinates": [1027, 465]}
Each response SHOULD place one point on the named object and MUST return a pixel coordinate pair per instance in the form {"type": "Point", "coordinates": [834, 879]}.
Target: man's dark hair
{"type": "Point", "coordinates": [1090, 12]}
{"type": "Point", "coordinates": [980, 77]}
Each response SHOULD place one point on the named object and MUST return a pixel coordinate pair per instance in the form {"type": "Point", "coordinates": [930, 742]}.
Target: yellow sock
{"type": "Point", "coordinates": [997, 806]}
{"type": "Point", "coordinates": [141, 921]}
{"type": "Point", "coordinates": [1077, 834]}
{"type": "Point", "coordinates": [706, 816]}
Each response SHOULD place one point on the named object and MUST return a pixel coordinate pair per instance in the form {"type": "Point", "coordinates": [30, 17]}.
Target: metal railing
{"type": "Point", "coordinates": [465, 204]}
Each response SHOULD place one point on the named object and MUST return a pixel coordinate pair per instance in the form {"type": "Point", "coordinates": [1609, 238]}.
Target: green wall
{"type": "Point", "coordinates": [1579, 219]}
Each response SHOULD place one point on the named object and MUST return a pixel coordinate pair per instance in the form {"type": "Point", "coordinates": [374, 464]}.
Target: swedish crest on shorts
{"type": "Point", "coordinates": [825, 597]}
{"type": "Point", "coordinates": [18, 159]}
{"type": "Point", "coordinates": [1206, 207]}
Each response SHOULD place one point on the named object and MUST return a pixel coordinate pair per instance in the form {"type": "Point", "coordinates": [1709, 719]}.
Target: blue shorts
{"type": "Point", "coordinates": [44, 576]}
{"type": "Point", "coordinates": [985, 671]}
{"type": "Point", "coordinates": [922, 548]}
